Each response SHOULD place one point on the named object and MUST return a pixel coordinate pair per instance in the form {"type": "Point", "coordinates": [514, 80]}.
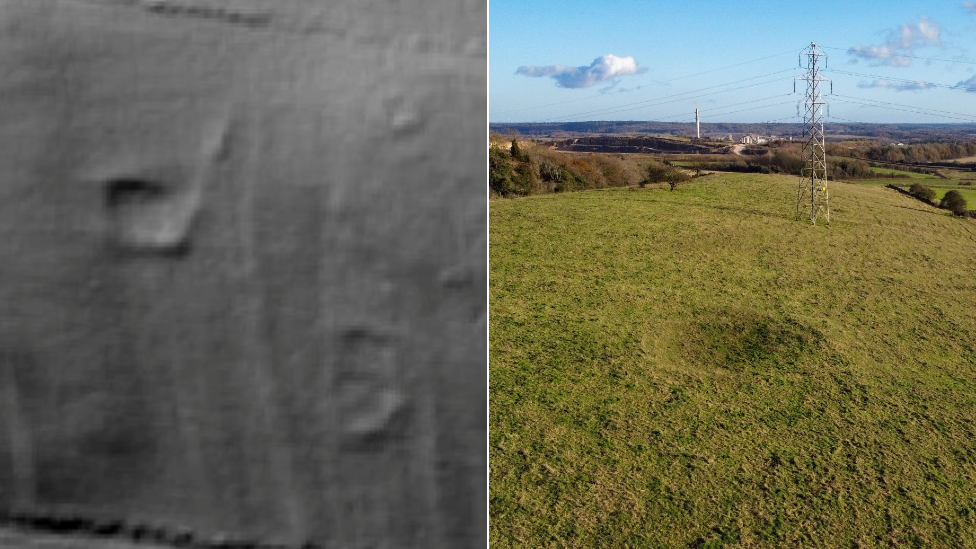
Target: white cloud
{"type": "Point", "coordinates": [969, 84]}
{"type": "Point", "coordinates": [884, 55]}
{"type": "Point", "coordinates": [602, 69]}
{"type": "Point", "coordinates": [896, 85]}
{"type": "Point", "coordinates": [901, 43]}
{"type": "Point", "coordinates": [970, 6]}
{"type": "Point", "coordinates": [924, 33]}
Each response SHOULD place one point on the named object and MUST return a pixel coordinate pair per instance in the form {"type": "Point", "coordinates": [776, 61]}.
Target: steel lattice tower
{"type": "Point", "coordinates": [811, 192]}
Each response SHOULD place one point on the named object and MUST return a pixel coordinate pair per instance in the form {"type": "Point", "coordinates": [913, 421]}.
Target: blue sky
{"type": "Point", "coordinates": [557, 46]}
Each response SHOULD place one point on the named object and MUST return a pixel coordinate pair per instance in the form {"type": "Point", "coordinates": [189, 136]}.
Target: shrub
{"type": "Point", "coordinates": [788, 162]}
{"type": "Point", "coordinates": [517, 152]}
{"type": "Point", "coordinates": [505, 180]}
{"type": "Point", "coordinates": [523, 178]}
{"type": "Point", "coordinates": [656, 173]}
{"type": "Point", "coordinates": [954, 202]}
{"type": "Point", "coordinates": [500, 173]}
{"type": "Point", "coordinates": [675, 176]}
{"type": "Point", "coordinates": [922, 192]}
{"type": "Point", "coordinates": [613, 170]}
{"type": "Point", "coordinates": [571, 183]}
{"type": "Point", "coordinates": [850, 168]}
{"type": "Point", "coordinates": [550, 171]}
{"type": "Point", "coordinates": [585, 173]}
{"type": "Point", "coordinates": [659, 173]}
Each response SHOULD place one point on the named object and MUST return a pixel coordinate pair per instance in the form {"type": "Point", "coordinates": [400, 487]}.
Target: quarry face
{"type": "Point", "coordinates": [242, 267]}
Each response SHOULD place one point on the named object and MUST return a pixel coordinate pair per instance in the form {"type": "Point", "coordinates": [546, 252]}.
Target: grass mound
{"type": "Point", "coordinates": [698, 369]}
{"type": "Point", "coordinates": [739, 339]}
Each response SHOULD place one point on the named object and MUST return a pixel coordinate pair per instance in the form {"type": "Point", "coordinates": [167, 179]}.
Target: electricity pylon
{"type": "Point", "coordinates": [811, 192]}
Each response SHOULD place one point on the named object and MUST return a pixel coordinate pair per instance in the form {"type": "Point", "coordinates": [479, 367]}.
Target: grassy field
{"type": "Point", "coordinates": [910, 175]}
{"type": "Point", "coordinates": [964, 160]}
{"type": "Point", "coordinates": [880, 182]}
{"type": "Point", "coordinates": [697, 369]}
{"type": "Point", "coordinates": [967, 192]}
{"type": "Point", "coordinates": [957, 175]}
{"type": "Point", "coordinates": [940, 187]}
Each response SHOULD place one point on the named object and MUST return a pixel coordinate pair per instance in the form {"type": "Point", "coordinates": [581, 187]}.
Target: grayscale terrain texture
{"type": "Point", "coordinates": [242, 273]}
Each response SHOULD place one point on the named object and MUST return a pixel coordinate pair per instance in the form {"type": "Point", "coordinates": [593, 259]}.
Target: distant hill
{"type": "Point", "coordinates": [899, 132]}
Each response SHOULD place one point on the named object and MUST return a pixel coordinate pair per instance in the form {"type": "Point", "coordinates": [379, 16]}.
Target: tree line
{"type": "Point", "coordinates": [526, 168]}
{"type": "Point", "coordinates": [953, 200]}
{"type": "Point", "coordinates": [788, 161]}
{"type": "Point", "coordinates": [908, 154]}
{"type": "Point", "coordinates": [521, 168]}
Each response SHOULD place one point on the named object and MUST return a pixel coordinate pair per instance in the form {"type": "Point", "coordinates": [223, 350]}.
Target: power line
{"type": "Point", "coordinates": [907, 110]}
{"type": "Point", "coordinates": [658, 83]}
{"type": "Point", "coordinates": [970, 119]}
{"type": "Point", "coordinates": [778, 119]}
{"type": "Point", "coordinates": [724, 107]}
{"type": "Point", "coordinates": [749, 109]}
{"type": "Point", "coordinates": [688, 95]}
{"type": "Point", "coordinates": [548, 104]}
{"type": "Point", "coordinates": [692, 97]}
{"type": "Point", "coordinates": [742, 110]}
{"type": "Point", "coordinates": [845, 119]}
{"type": "Point", "coordinates": [730, 66]}
{"type": "Point", "coordinates": [902, 105]}
{"type": "Point", "coordinates": [964, 88]}
{"type": "Point", "coordinates": [656, 102]}
{"type": "Point", "coordinates": [762, 122]}
{"type": "Point", "coordinates": [889, 55]}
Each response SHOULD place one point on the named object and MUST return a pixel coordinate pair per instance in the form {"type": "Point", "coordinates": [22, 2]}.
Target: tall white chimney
{"type": "Point", "coordinates": [697, 124]}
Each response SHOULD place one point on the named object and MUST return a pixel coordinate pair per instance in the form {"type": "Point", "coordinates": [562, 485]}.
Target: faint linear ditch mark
{"type": "Point", "coordinates": [417, 43]}
{"type": "Point", "coordinates": [256, 19]}
{"type": "Point", "coordinates": [124, 531]}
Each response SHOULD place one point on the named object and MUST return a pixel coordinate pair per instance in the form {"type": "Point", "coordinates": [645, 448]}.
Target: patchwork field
{"type": "Point", "coordinates": [908, 174]}
{"type": "Point", "coordinates": [940, 186]}
{"type": "Point", "coordinates": [967, 192]}
{"type": "Point", "coordinates": [697, 369]}
{"type": "Point", "coordinates": [964, 160]}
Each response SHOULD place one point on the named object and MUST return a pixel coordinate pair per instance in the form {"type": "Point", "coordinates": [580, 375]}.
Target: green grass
{"type": "Point", "coordinates": [965, 175]}
{"type": "Point", "coordinates": [910, 175]}
{"type": "Point", "coordinates": [881, 182]}
{"type": "Point", "coordinates": [697, 369]}
{"type": "Point", "coordinates": [941, 188]}
{"type": "Point", "coordinates": [968, 193]}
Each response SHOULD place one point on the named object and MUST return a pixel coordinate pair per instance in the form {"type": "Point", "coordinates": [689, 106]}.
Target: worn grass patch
{"type": "Point", "coordinates": [697, 369]}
